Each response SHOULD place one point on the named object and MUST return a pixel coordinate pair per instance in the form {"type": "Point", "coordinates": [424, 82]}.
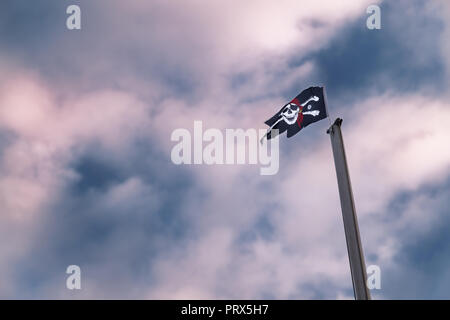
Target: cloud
{"type": "Point", "coordinates": [86, 171]}
{"type": "Point", "coordinates": [168, 49]}
{"type": "Point", "coordinates": [389, 152]}
{"type": "Point", "coordinates": [48, 136]}
{"type": "Point", "coordinates": [444, 11]}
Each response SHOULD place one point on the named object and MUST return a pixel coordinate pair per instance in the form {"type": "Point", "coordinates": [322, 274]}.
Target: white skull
{"type": "Point", "coordinates": [290, 113]}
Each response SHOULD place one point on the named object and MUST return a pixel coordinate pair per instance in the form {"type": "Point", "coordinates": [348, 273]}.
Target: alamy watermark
{"type": "Point", "coordinates": [234, 146]}
{"type": "Point", "coordinates": [74, 280]}
{"type": "Point", "coordinates": [373, 277]}
{"type": "Point", "coordinates": [73, 21]}
{"type": "Point", "coordinates": [374, 20]}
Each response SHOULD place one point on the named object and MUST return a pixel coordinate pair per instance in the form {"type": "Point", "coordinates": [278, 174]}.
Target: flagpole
{"type": "Point", "coordinates": [354, 247]}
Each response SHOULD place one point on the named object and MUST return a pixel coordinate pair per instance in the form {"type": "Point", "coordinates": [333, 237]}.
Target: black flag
{"type": "Point", "coordinates": [306, 108]}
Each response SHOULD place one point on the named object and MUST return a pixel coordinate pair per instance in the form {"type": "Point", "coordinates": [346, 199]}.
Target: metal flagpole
{"type": "Point", "coordinates": [354, 247]}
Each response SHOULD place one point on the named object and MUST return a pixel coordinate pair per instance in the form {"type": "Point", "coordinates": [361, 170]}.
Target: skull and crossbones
{"type": "Point", "coordinates": [290, 112]}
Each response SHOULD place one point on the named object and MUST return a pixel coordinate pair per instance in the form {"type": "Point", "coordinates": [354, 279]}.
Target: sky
{"type": "Point", "coordinates": [86, 177]}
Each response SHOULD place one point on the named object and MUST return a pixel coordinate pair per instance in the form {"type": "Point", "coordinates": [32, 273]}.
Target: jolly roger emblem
{"type": "Point", "coordinates": [291, 112]}
{"type": "Point", "coordinates": [296, 115]}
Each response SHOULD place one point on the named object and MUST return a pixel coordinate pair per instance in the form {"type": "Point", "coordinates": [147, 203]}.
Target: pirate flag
{"type": "Point", "coordinates": [306, 108]}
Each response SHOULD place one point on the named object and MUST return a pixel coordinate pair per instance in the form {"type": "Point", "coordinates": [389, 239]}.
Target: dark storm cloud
{"type": "Point", "coordinates": [104, 53]}
{"type": "Point", "coordinates": [114, 241]}
{"type": "Point", "coordinates": [420, 270]}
